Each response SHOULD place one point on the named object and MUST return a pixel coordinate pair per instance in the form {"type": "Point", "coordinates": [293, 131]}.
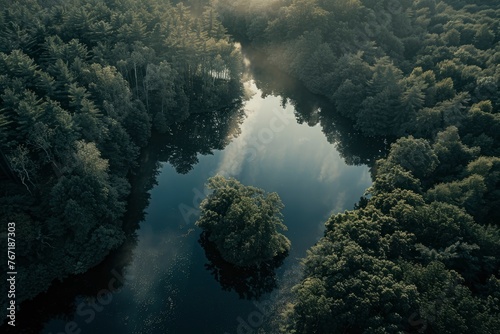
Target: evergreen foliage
{"type": "Point", "coordinates": [81, 83]}
{"type": "Point", "coordinates": [243, 222]}
{"type": "Point", "coordinates": [420, 254]}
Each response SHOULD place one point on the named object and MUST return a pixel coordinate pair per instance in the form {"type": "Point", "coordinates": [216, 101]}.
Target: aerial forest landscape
{"type": "Point", "coordinates": [250, 166]}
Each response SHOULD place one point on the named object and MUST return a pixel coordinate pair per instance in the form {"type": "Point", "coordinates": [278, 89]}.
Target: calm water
{"type": "Point", "coordinates": [161, 280]}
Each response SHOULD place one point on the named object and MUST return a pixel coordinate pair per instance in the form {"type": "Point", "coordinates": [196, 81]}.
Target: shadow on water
{"type": "Point", "coordinates": [200, 134]}
{"type": "Point", "coordinates": [248, 282]}
{"type": "Point", "coordinates": [84, 294]}
{"type": "Point", "coordinates": [180, 146]}
{"type": "Point", "coordinates": [313, 109]}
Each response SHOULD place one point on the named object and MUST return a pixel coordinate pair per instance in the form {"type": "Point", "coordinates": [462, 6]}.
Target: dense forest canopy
{"type": "Point", "coordinates": [84, 84]}
{"type": "Point", "coordinates": [420, 254]}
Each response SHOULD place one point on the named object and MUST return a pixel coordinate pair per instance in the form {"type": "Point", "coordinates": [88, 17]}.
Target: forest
{"type": "Point", "coordinates": [85, 85]}
{"type": "Point", "coordinates": [419, 253]}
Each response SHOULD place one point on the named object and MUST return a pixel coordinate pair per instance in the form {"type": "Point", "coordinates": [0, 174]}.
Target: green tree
{"type": "Point", "coordinates": [452, 154]}
{"type": "Point", "coordinates": [348, 288]}
{"type": "Point", "coordinates": [22, 165]}
{"type": "Point", "coordinates": [447, 306]}
{"type": "Point", "coordinates": [243, 222]}
{"type": "Point", "coordinates": [467, 193]}
{"type": "Point", "coordinates": [381, 112]}
{"type": "Point", "coordinates": [415, 155]}
{"type": "Point", "coordinates": [484, 37]}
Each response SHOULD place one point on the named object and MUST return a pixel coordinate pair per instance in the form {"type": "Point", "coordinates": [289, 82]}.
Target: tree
{"type": "Point", "coordinates": [370, 301]}
{"type": "Point", "coordinates": [348, 98]}
{"type": "Point", "coordinates": [22, 165]}
{"type": "Point", "coordinates": [467, 193]}
{"type": "Point", "coordinates": [452, 37]}
{"type": "Point", "coordinates": [414, 155]}
{"type": "Point", "coordinates": [84, 195]}
{"type": "Point", "coordinates": [484, 37]}
{"type": "Point", "coordinates": [243, 222]}
{"type": "Point", "coordinates": [452, 154]}
{"type": "Point", "coordinates": [381, 112]}
{"type": "Point", "coordinates": [348, 289]}
{"type": "Point", "coordinates": [390, 177]}
{"type": "Point", "coordinates": [447, 306]}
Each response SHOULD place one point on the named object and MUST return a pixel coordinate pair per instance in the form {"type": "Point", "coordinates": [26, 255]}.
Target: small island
{"type": "Point", "coordinates": [243, 222]}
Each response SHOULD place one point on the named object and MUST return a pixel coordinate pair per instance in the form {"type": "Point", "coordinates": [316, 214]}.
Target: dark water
{"type": "Point", "coordinates": [158, 282]}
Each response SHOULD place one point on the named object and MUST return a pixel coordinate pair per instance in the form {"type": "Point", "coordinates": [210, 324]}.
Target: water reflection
{"type": "Point", "coordinates": [65, 302]}
{"type": "Point", "coordinates": [82, 294]}
{"type": "Point", "coordinates": [311, 109]}
{"type": "Point", "coordinates": [248, 282]}
{"type": "Point", "coordinates": [200, 134]}
{"type": "Point", "coordinates": [299, 165]}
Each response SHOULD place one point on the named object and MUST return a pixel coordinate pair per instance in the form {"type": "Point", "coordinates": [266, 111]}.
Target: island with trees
{"type": "Point", "coordinates": [243, 222]}
{"type": "Point", "coordinates": [420, 252]}
{"type": "Point", "coordinates": [85, 84]}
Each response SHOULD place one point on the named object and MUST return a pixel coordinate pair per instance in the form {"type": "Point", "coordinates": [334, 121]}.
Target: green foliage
{"type": "Point", "coordinates": [414, 155]}
{"type": "Point", "coordinates": [446, 305]}
{"type": "Point", "coordinates": [350, 291]}
{"type": "Point", "coordinates": [81, 83]}
{"type": "Point", "coordinates": [391, 177]}
{"type": "Point", "coordinates": [243, 222]}
{"type": "Point", "coordinates": [362, 276]}
{"type": "Point", "coordinates": [452, 154]}
{"type": "Point", "coordinates": [423, 76]}
{"type": "Point", "coordinates": [467, 193]}
{"type": "Point", "coordinates": [350, 282]}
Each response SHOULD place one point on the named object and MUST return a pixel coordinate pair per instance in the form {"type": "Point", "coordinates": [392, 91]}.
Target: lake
{"type": "Point", "coordinates": [161, 281]}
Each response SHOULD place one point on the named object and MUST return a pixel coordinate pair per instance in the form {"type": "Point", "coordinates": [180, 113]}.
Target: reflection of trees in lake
{"type": "Point", "coordinates": [60, 300]}
{"type": "Point", "coordinates": [248, 282]}
{"type": "Point", "coordinates": [312, 109]}
{"type": "Point", "coordinates": [355, 148]}
{"type": "Point", "coordinates": [201, 133]}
